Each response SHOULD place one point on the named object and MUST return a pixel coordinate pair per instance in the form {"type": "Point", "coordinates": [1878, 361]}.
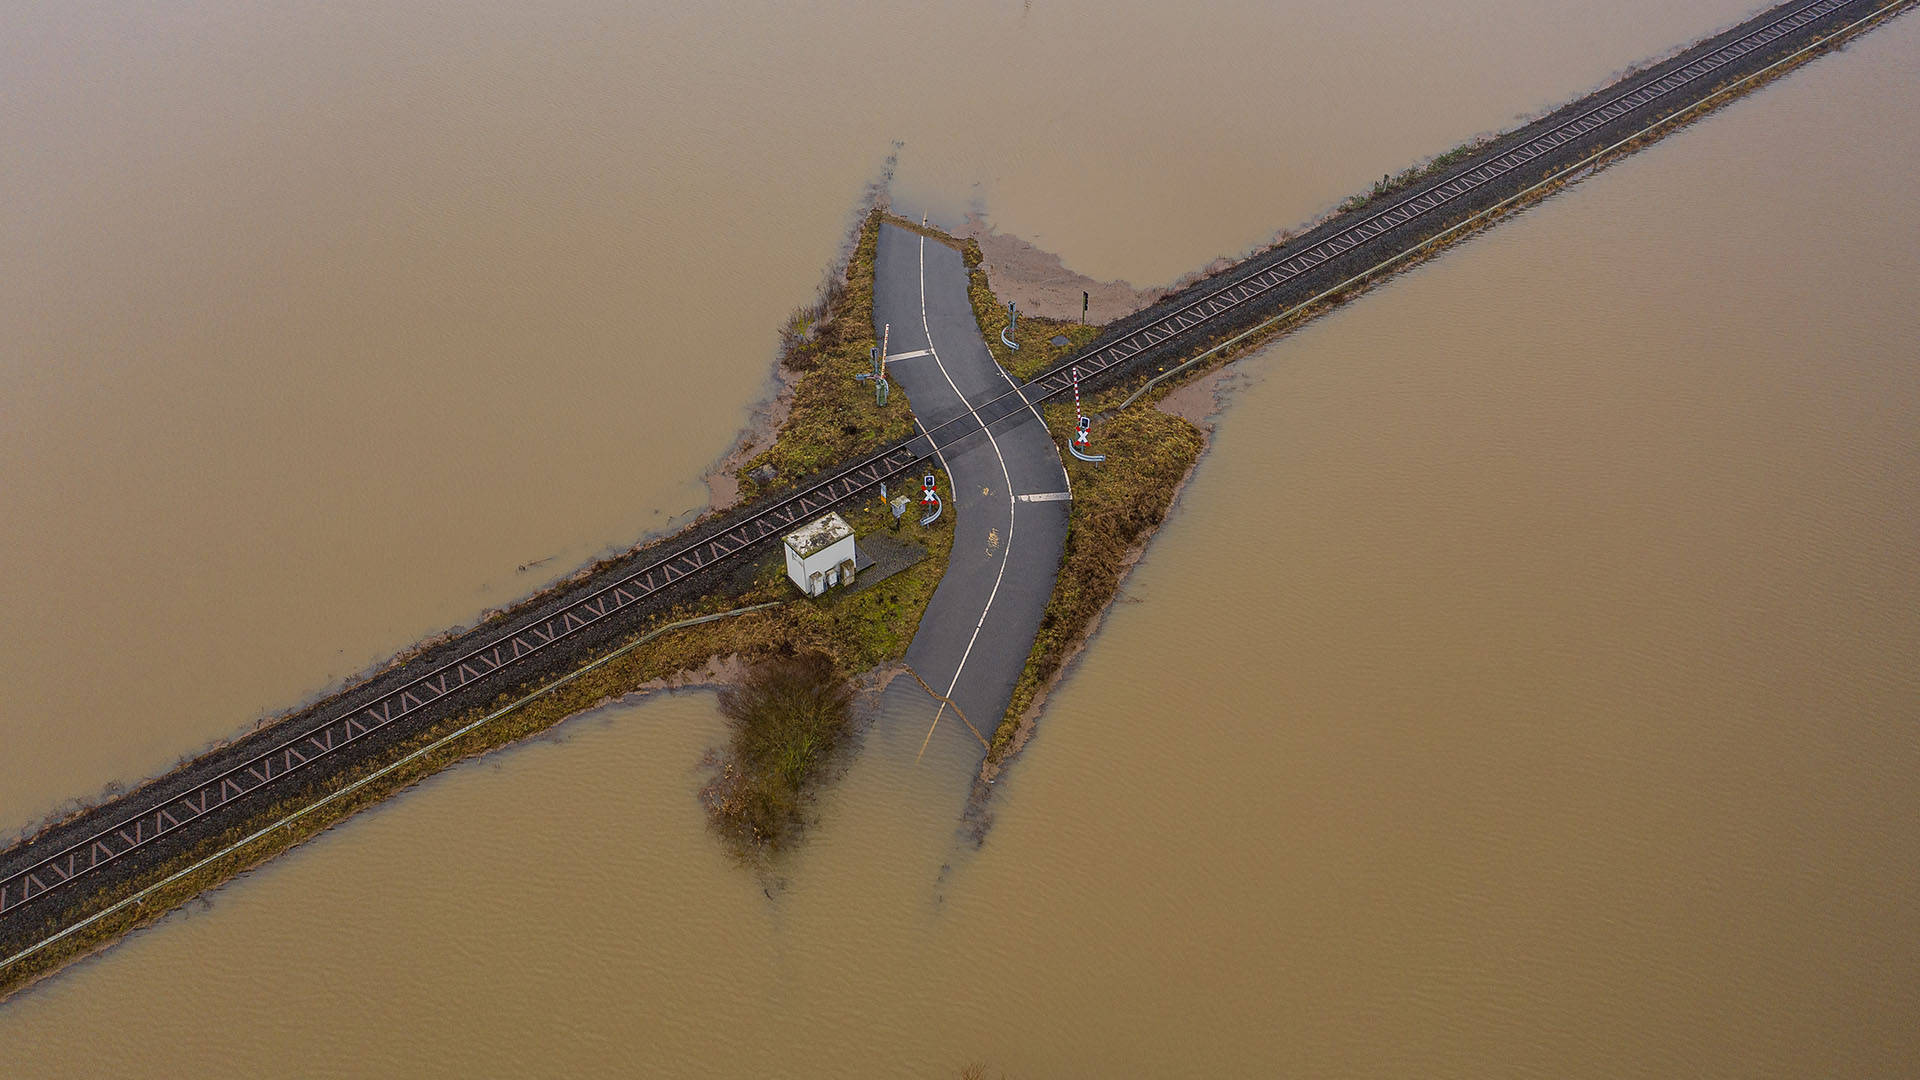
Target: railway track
{"type": "Point", "coordinates": [1186, 318]}
{"type": "Point", "coordinates": [1220, 304]}
{"type": "Point", "coordinates": [302, 751]}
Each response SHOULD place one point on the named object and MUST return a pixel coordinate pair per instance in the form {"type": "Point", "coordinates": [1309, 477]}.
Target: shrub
{"type": "Point", "coordinates": [788, 714]}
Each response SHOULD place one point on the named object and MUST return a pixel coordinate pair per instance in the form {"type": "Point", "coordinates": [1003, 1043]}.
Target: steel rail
{"type": "Point", "coordinates": [296, 753]}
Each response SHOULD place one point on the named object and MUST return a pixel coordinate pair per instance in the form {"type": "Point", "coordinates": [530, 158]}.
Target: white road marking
{"type": "Point", "coordinates": [1047, 496]}
{"type": "Point", "coordinates": [995, 443]}
{"type": "Point", "coordinates": [909, 355]}
{"type": "Point", "coordinates": [1018, 389]}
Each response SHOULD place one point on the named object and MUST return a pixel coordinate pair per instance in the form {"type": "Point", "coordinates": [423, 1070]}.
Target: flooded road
{"type": "Point", "coordinates": [1557, 721]}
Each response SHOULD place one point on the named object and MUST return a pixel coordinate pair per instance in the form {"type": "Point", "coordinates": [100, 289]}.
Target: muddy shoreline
{"type": "Point", "coordinates": [1043, 285]}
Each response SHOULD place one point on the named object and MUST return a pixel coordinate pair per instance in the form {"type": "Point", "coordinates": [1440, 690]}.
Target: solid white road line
{"type": "Point", "coordinates": [1047, 496]}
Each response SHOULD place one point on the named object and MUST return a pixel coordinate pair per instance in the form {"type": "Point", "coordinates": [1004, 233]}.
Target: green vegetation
{"type": "Point", "coordinates": [1032, 333]}
{"type": "Point", "coordinates": [1116, 505]}
{"type": "Point", "coordinates": [938, 236]}
{"type": "Point", "coordinates": [1388, 185]}
{"type": "Point", "coordinates": [859, 629]}
{"type": "Point", "coordinates": [832, 417]}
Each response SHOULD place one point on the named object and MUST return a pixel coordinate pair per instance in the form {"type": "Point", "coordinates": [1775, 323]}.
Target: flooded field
{"type": "Point", "coordinates": [1524, 685]}
{"type": "Point", "coordinates": [322, 322]}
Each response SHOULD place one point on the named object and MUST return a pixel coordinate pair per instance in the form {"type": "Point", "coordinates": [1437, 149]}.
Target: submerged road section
{"type": "Point", "coordinates": [1009, 489]}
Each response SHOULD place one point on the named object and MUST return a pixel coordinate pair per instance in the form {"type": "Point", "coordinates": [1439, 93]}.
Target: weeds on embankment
{"type": "Point", "coordinates": [1034, 335]}
{"type": "Point", "coordinates": [1406, 178]}
{"type": "Point", "coordinates": [1116, 505]}
{"type": "Point", "coordinates": [832, 418]}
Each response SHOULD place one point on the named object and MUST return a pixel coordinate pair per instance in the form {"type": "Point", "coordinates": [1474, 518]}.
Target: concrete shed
{"type": "Point", "coordinates": [821, 555]}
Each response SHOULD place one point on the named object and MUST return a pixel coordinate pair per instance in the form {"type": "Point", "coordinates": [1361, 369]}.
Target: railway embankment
{"type": "Point", "coordinates": [1420, 210]}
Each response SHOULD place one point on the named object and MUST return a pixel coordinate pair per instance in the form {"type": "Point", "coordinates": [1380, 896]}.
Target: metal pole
{"type": "Point", "coordinates": [1080, 428]}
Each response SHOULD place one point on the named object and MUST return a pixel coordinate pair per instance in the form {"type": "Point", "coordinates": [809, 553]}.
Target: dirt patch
{"type": "Point", "coordinates": [718, 671]}
{"type": "Point", "coordinates": [1199, 401]}
{"type": "Point", "coordinates": [1041, 284]}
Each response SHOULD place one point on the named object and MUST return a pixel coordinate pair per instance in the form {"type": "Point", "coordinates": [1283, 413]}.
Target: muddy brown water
{"type": "Point", "coordinates": [321, 322]}
{"type": "Point", "coordinates": [1520, 688]}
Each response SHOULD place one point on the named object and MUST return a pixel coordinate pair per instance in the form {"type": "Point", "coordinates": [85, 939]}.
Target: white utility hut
{"type": "Point", "coordinates": [821, 555]}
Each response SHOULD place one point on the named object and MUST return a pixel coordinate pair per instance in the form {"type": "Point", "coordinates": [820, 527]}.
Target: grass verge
{"type": "Point", "coordinates": [1116, 507]}
{"type": "Point", "coordinates": [1033, 334]}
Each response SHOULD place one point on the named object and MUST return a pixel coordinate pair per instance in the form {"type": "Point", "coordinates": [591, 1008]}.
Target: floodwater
{"type": "Point", "coordinates": [321, 320]}
{"type": "Point", "coordinates": [1558, 719]}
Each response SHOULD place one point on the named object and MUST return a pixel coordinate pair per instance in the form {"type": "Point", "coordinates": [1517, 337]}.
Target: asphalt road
{"type": "Point", "coordinates": [1009, 496]}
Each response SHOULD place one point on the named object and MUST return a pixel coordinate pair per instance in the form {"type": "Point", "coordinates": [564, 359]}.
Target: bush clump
{"type": "Point", "coordinates": [789, 715]}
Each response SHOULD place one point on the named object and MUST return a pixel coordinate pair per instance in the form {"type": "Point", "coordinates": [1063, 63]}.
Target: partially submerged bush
{"type": "Point", "coordinates": [788, 715]}
{"type": "Point", "coordinates": [810, 330]}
